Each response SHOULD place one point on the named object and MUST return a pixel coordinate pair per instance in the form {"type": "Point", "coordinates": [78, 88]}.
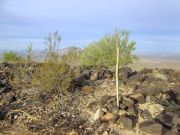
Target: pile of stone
{"type": "Point", "coordinates": [4, 84]}
{"type": "Point", "coordinates": [89, 78]}
{"type": "Point", "coordinates": [152, 108]}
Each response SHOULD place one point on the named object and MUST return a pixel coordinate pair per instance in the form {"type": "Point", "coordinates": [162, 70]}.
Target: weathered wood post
{"type": "Point", "coordinates": [117, 66]}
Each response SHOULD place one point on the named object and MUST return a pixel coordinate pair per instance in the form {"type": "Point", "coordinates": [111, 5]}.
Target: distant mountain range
{"type": "Point", "coordinates": [40, 54]}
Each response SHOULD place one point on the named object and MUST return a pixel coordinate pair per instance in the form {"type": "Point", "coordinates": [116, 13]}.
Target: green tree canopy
{"type": "Point", "coordinates": [103, 52]}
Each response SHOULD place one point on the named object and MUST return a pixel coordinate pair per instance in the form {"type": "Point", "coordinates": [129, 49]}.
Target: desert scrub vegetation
{"type": "Point", "coordinates": [12, 57]}
{"type": "Point", "coordinates": [72, 57]}
{"type": "Point", "coordinates": [29, 53]}
{"type": "Point", "coordinates": [103, 52]}
{"type": "Point", "coordinates": [54, 75]}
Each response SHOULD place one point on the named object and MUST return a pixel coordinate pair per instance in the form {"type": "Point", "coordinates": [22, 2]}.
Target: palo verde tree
{"type": "Point", "coordinates": [103, 52]}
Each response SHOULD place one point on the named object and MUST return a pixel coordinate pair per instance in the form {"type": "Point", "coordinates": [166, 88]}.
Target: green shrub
{"type": "Point", "coordinates": [11, 57]}
{"type": "Point", "coordinates": [103, 52]}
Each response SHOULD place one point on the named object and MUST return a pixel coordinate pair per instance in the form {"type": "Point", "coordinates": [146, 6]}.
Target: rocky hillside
{"type": "Point", "coordinates": [149, 104]}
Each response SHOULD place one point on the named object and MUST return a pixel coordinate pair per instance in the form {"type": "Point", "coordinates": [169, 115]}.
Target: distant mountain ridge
{"type": "Point", "coordinates": [40, 54]}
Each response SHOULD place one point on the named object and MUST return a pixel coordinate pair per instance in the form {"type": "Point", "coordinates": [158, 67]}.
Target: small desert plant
{"type": "Point", "coordinates": [54, 75]}
{"type": "Point", "coordinates": [11, 57]}
{"type": "Point", "coordinates": [29, 53]}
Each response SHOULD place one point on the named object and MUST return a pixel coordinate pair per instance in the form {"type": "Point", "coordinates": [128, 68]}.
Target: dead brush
{"type": "Point", "coordinates": [19, 129]}
{"type": "Point", "coordinates": [53, 77]}
{"type": "Point", "coordinates": [24, 114]}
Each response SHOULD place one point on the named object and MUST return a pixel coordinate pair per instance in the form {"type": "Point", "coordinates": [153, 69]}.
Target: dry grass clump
{"type": "Point", "coordinates": [53, 77]}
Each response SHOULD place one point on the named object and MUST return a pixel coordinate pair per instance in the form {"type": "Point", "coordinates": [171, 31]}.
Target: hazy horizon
{"type": "Point", "coordinates": [154, 25]}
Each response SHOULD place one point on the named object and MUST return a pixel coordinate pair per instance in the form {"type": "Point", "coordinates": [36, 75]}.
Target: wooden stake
{"type": "Point", "coordinates": [117, 66]}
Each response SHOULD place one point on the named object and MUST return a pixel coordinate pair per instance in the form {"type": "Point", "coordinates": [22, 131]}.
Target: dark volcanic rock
{"type": "Point", "coordinates": [138, 98]}
{"type": "Point", "coordinates": [3, 90]}
{"type": "Point", "coordinates": [124, 72]}
{"type": "Point", "coordinates": [6, 108]}
{"type": "Point", "coordinates": [149, 90]}
{"type": "Point", "coordinates": [9, 98]}
{"type": "Point", "coordinates": [128, 122]}
{"type": "Point", "coordinates": [108, 74]}
{"type": "Point", "coordinates": [106, 99]}
{"type": "Point", "coordinates": [166, 119]}
{"type": "Point", "coordinates": [122, 106]}
{"type": "Point", "coordinates": [145, 114]}
{"type": "Point", "coordinates": [4, 84]}
{"type": "Point", "coordinates": [176, 95]}
{"type": "Point", "coordinates": [163, 85]}
{"type": "Point", "coordinates": [86, 74]}
{"type": "Point", "coordinates": [151, 127]}
{"type": "Point", "coordinates": [114, 109]}
{"type": "Point", "coordinates": [127, 101]}
{"type": "Point", "coordinates": [132, 111]}
{"type": "Point", "coordinates": [146, 71]}
{"type": "Point", "coordinates": [137, 77]}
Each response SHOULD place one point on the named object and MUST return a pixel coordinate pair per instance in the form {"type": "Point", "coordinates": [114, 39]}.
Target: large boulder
{"type": "Point", "coordinates": [161, 76]}
{"type": "Point", "coordinates": [137, 77]}
{"type": "Point", "coordinates": [124, 72]}
{"type": "Point", "coordinates": [108, 74]}
{"type": "Point", "coordinates": [153, 109]}
{"type": "Point", "coordinates": [150, 127]}
{"type": "Point", "coordinates": [127, 122]}
{"type": "Point", "coordinates": [127, 101]}
{"type": "Point", "coordinates": [176, 91]}
{"type": "Point", "coordinates": [149, 90]}
{"type": "Point", "coordinates": [166, 119]}
{"type": "Point", "coordinates": [86, 74]}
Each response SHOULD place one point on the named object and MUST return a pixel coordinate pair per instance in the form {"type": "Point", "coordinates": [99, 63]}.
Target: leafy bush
{"type": "Point", "coordinates": [103, 52]}
{"type": "Point", "coordinates": [53, 75]}
{"type": "Point", "coordinates": [11, 57]}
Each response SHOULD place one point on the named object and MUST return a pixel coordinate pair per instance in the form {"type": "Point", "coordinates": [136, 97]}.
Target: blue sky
{"type": "Point", "coordinates": [155, 24]}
